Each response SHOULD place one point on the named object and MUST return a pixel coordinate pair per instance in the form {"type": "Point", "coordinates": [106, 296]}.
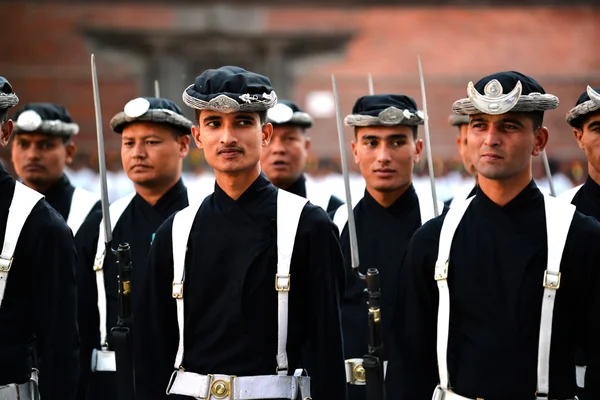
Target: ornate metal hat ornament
{"type": "Point", "coordinates": [585, 105]}
{"type": "Point", "coordinates": [385, 110]}
{"type": "Point", "coordinates": [230, 89]}
{"type": "Point", "coordinates": [45, 118]}
{"type": "Point", "coordinates": [525, 96]}
{"type": "Point", "coordinates": [157, 110]}
{"type": "Point", "coordinates": [287, 113]}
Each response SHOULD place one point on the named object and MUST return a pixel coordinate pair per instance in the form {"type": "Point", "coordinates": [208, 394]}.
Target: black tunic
{"type": "Point", "coordinates": [60, 195]}
{"type": "Point", "coordinates": [299, 188]}
{"type": "Point", "coordinates": [587, 201]}
{"type": "Point", "coordinates": [383, 237]}
{"type": "Point", "coordinates": [40, 302]}
{"type": "Point", "coordinates": [137, 226]}
{"type": "Point", "coordinates": [230, 300]}
{"type": "Point", "coordinates": [498, 259]}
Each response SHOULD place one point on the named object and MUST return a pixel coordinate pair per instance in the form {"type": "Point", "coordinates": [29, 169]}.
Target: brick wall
{"type": "Point", "coordinates": [46, 57]}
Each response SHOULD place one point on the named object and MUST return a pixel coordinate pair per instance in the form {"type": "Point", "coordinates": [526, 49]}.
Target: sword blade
{"type": "Point", "coordinates": [371, 87]}
{"type": "Point", "coordinates": [428, 140]}
{"type": "Point", "coordinates": [101, 156]}
{"type": "Point", "coordinates": [355, 262]}
{"type": "Point", "coordinates": [156, 88]}
{"type": "Point", "coordinates": [548, 173]}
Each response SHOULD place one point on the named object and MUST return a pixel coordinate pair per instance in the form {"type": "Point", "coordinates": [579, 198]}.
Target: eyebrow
{"type": "Point", "coordinates": [394, 136]}
{"type": "Point", "coordinates": [145, 137]}
{"type": "Point", "coordinates": [504, 121]}
{"type": "Point", "coordinates": [593, 124]}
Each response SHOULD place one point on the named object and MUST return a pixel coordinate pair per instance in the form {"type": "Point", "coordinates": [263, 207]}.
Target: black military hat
{"type": "Point", "coordinates": [458, 120]}
{"type": "Point", "coordinates": [46, 118]}
{"type": "Point", "coordinates": [230, 89]}
{"type": "Point", "coordinates": [286, 112]}
{"type": "Point", "coordinates": [385, 110]}
{"type": "Point", "coordinates": [8, 98]}
{"type": "Point", "coordinates": [588, 102]}
{"type": "Point", "coordinates": [151, 109]}
{"type": "Point", "coordinates": [487, 96]}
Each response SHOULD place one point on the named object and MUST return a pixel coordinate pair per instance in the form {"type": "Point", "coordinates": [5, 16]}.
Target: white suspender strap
{"type": "Point", "coordinates": [82, 203]}
{"type": "Point", "coordinates": [569, 195]}
{"type": "Point", "coordinates": [341, 217]}
{"type": "Point", "coordinates": [289, 209]}
{"type": "Point", "coordinates": [426, 208]}
{"type": "Point", "coordinates": [559, 215]}
{"type": "Point", "coordinates": [182, 226]}
{"type": "Point", "coordinates": [451, 222]}
{"type": "Point", "coordinates": [316, 195]}
{"type": "Point", "coordinates": [23, 201]}
{"type": "Point", "coordinates": [115, 210]}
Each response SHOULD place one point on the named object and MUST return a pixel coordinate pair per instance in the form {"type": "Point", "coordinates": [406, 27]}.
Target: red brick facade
{"type": "Point", "coordinates": [46, 56]}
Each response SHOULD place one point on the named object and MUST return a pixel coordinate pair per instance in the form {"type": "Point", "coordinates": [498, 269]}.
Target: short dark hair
{"type": "Point", "coordinates": [3, 115]}
{"type": "Point", "coordinates": [262, 116]}
{"type": "Point", "coordinates": [580, 121]}
{"type": "Point", "coordinates": [537, 117]}
{"type": "Point", "coordinates": [415, 131]}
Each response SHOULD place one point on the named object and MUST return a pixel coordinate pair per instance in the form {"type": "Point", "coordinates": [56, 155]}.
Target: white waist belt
{"type": "Point", "coordinates": [441, 394]}
{"type": "Point", "coordinates": [103, 361]}
{"type": "Point", "coordinates": [225, 387]}
{"type": "Point", "coordinates": [355, 372]}
{"type": "Point", "coordinates": [23, 391]}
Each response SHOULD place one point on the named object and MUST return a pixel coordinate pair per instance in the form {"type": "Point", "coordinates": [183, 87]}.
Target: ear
{"type": "Point", "coordinates": [355, 151]}
{"type": "Point", "coordinates": [541, 141]}
{"type": "Point", "coordinates": [578, 134]}
{"type": "Point", "coordinates": [197, 136]}
{"type": "Point", "coordinates": [6, 130]}
{"type": "Point", "coordinates": [267, 134]}
{"type": "Point", "coordinates": [184, 145]}
{"type": "Point", "coordinates": [70, 149]}
{"type": "Point", "coordinates": [307, 143]}
{"type": "Point", "coordinates": [418, 150]}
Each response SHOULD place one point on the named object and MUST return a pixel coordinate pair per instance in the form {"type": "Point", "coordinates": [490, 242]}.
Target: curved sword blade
{"type": "Point", "coordinates": [428, 140]}
{"type": "Point", "coordinates": [101, 156]}
{"type": "Point", "coordinates": [371, 87]}
{"type": "Point", "coordinates": [355, 262]}
{"type": "Point", "coordinates": [156, 88]}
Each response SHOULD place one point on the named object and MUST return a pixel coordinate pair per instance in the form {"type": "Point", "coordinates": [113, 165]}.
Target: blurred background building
{"type": "Point", "coordinates": [46, 49]}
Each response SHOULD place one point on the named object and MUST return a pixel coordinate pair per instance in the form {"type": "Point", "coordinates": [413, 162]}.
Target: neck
{"type": "Point", "coordinates": [153, 194]}
{"type": "Point", "coordinates": [40, 188]}
{"type": "Point", "coordinates": [386, 199]}
{"type": "Point", "coordinates": [503, 191]}
{"type": "Point", "coordinates": [594, 173]}
{"type": "Point", "coordinates": [235, 184]}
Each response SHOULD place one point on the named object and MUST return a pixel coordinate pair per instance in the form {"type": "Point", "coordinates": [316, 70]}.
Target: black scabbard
{"type": "Point", "coordinates": [121, 334]}
{"type": "Point", "coordinates": [373, 361]}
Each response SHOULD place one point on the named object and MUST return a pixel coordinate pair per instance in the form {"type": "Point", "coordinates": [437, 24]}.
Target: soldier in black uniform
{"type": "Point", "coordinates": [283, 160]}
{"type": "Point", "coordinates": [41, 149]}
{"type": "Point", "coordinates": [38, 290]}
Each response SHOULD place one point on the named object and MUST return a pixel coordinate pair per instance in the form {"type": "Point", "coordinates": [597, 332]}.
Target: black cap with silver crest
{"type": "Point", "coordinates": [151, 109]}
{"type": "Point", "coordinates": [8, 98]}
{"type": "Point", "coordinates": [588, 102]}
{"type": "Point", "coordinates": [45, 118]}
{"type": "Point", "coordinates": [385, 110]}
{"type": "Point", "coordinates": [487, 96]}
{"type": "Point", "coordinates": [288, 113]}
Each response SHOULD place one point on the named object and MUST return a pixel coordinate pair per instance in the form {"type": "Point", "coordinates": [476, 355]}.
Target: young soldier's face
{"type": "Point", "coordinates": [386, 156]}
{"type": "Point", "coordinates": [40, 159]}
{"type": "Point", "coordinates": [233, 142]}
{"type": "Point", "coordinates": [152, 153]}
{"type": "Point", "coordinates": [461, 142]}
{"type": "Point", "coordinates": [588, 139]}
{"type": "Point", "coordinates": [501, 146]}
{"type": "Point", "coordinates": [283, 160]}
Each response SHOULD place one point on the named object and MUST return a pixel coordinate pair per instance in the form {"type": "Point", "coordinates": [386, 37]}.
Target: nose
{"type": "Point", "coordinates": [492, 137]}
{"type": "Point", "coordinates": [383, 154]}
{"type": "Point", "coordinates": [228, 137]}
{"type": "Point", "coordinates": [33, 153]}
{"type": "Point", "coordinates": [139, 150]}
